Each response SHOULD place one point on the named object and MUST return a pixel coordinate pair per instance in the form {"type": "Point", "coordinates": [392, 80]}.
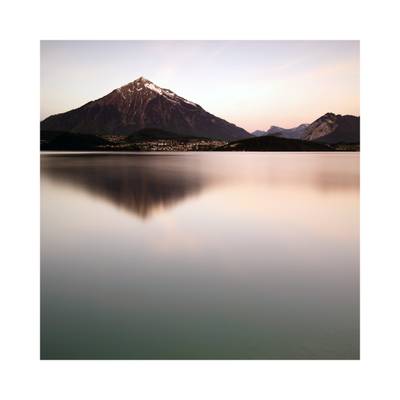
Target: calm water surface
{"type": "Point", "coordinates": [200, 255]}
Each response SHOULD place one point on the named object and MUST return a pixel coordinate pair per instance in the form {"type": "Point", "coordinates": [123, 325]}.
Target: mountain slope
{"type": "Point", "coordinates": [333, 129]}
{"type": "Point", "coordinates": [140, 105]}
{"type": "Point", "coordinates": [258, 133]}
{"type": "Point", "coordinates": [287, 133]}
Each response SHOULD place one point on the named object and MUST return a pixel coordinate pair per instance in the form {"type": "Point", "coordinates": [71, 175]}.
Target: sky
{"type": "Point", "coordinates": [253, 84]}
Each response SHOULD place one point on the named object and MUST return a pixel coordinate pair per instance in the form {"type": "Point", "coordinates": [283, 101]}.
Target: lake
{"type": "Point", "coordinates": [200, 255]}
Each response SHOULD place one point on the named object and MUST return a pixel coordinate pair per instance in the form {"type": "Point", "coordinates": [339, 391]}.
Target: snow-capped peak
{"type": "Point", "coordinates": [142, 83]}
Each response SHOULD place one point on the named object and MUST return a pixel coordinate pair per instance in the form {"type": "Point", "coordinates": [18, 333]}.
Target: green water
{"type": "Point", "coordinates": [200, 256]}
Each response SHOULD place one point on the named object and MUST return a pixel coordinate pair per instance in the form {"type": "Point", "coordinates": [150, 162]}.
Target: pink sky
{"type": "Point", "coordinates": [253, 84]}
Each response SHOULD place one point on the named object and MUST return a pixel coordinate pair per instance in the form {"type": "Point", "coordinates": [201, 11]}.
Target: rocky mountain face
{"type": "Point", "coordinates": [329, 129]}
{"type": "Point", "coordinates": [290, 133]}
{"type": "Point", "coordinates": [333, 129]}
{"type": "Point", "coordinates": [258, 133]}
{"type": "Point", "coordinates": [139, 105]}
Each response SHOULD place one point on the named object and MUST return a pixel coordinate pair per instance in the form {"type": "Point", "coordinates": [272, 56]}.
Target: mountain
{"type": "Point", "coordinates": [258, 133]}
{"type": "Point", "coordinates": [290, 133]}
{"type": "Point", "coordinates": [274, 143]}
{"type": "Point", "coordinates": [139, 105]}
{"type": "Point", "coordinates": [333, 129]}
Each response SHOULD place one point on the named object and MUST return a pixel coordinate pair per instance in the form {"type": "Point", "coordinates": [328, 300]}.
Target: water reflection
{"type": "Point", "coordinates": [143, 183]}
{"type": "Point", "coordinates": [200, 255]}
{"type": "Point", "coordinates": [138, 184]}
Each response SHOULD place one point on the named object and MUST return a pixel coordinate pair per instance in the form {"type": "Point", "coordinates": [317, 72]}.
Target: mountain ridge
{"type": "Point", "coordinates": [287, 133]}
{"type": "Point", "coordinates": [141, 104]}
{"type": "Point", "coordinates": [333, 128]}
{"type": "Point", "coordinates": [329, 128]}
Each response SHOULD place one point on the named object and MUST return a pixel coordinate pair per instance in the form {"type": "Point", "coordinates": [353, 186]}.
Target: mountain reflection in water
{"type": "Point", "coordinates": [142, 183]}
{"type": "Point", "coordinates": [137, 183]}
{"type": "Point", "coordinates": [200, 256]}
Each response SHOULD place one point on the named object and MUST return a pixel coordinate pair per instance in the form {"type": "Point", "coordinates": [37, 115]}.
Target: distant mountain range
{"type": "Point", "coordinates": [139, 105]}
{"type": "Point", "coordinates": [329, 129]}
{"type": "Point", "coordinates": [291, 133]}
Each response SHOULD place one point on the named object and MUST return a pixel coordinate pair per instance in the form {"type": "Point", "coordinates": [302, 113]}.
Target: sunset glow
{"type": "Point", "coordinates": [253, 84]}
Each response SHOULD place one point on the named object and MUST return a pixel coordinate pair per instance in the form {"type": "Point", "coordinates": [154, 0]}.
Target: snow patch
{"type": "Point", "coordinates": [166, 93]}
{"type": "Point", "coordinates": [169, 93]}
{"type": "Point", "coordinates": [153, 87]}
